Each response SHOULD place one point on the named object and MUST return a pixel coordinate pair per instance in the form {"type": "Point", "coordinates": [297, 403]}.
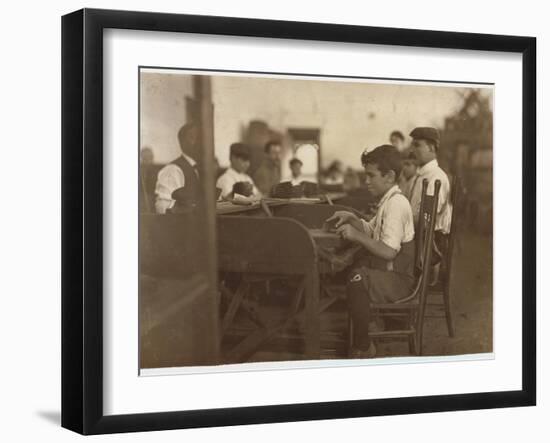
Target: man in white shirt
{"type": "Point", "coordinates": [386, 272]}
{"type": "Point", "coordinates": [180, 173]}
{"type": "Point", "coordinates": [425, 145]}
{"type": "Point", "coordinates": [239, 156]}
{"type": "Point", "coordinates": [296, 171]}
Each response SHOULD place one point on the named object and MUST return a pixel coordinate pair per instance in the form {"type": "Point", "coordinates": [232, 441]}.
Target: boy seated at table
{"type": "Point", "coordinates": [239, 156]}
{"type": "Point", "coordinates": [384, 270]}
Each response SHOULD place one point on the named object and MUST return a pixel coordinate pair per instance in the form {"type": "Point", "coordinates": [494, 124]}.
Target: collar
{"type": "Point", "coordinates": [389, 193]}
{"type": "Point", "coordinates": [430, 166]}
{"type": "Point", "coordinates": [189, 159]}
{"type": "Point", "coordinates": [234, 171]}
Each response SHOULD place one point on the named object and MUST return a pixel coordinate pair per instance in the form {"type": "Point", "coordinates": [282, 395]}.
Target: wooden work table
{"type": "Point", "coordinates": [285, 244]}
{"type": "Point", "coordinates": [257, 207]}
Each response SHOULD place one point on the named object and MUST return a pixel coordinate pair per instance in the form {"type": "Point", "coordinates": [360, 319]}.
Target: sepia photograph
{"type": "Point", "coordinates": [289, 218]}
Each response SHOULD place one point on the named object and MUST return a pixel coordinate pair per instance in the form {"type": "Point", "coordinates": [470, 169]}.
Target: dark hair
{"type": "Point", "coordinates": [397, 134]}
{"type": "Point", "coordinates": [334, 166]}
{"type": "Point", "coordinates": [271, 143]}
{"type": "Point", "coordinates": [434, 143]}
{"type": "Point", "coordinates": [183, 131]}
{"type": "Point", "coordinates": [295, 160]}
{"type": "Point", "coordinates": [385, 157]}
{"type": "Point", "coordinates": [239, 150]}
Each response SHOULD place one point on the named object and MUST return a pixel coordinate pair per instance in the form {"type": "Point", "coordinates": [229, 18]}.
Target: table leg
{"type": "Point", "coordinates": [311, 311]}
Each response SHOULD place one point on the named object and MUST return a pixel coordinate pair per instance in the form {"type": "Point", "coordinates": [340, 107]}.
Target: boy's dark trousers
{"type": "Point", "coordinates": [441, 243]}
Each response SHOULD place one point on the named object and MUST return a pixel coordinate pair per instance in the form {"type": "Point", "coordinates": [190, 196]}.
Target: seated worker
{"type": "Point", "coordinates": [408, 173]}
{"type": "Point", "coordinates": [384, 272]}
{"type": "Point", "coordinates": [239, 156]}
{"type": "Point", "coordinates": [180, 173]}
{"type": "Point", "coordinates": [425, 145]}
{"type": "Point", "coordinates": [296, 171]}
{"type": "Point", "coordinates": [268, 173]}
{"type": "Point", "coordinates": [335, 174]}
{"type": "Point", "coordinates": [297, 186]}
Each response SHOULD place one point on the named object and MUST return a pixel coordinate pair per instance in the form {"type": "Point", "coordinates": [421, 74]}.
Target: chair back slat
{"type": "Point", "coordinates": [420, 228]}
{"type": "Point", "coordinates": [426, 223]}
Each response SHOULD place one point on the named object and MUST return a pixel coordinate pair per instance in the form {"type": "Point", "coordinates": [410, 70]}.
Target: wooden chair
{"type": "Point", "coordinates": [443, 287]}
{"type": "Point", "coordinates": [412, 308]}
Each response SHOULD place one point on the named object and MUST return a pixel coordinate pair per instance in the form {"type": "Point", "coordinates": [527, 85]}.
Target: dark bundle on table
{"type": "Point", "coordinates": [243, 188]}
{"type": "Point", "coordinates": [287, 190]}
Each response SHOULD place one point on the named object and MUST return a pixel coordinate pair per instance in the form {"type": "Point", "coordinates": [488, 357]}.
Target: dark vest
{"type": "Point", "coordinates": [192, 189]}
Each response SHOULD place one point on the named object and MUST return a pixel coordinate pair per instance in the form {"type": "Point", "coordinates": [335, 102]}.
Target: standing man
{"type": "Point", "coordinates": [180, 173]}
{"type": "Point", "coordinates": [425, 145]}
{"type": "Point", "coordinates": [269, 172]}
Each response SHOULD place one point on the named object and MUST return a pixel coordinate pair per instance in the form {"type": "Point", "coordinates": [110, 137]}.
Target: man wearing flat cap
{"type": "Point", "coordinates": [239, 156]}
{"type": "Point", "coordinates": [425, 145]}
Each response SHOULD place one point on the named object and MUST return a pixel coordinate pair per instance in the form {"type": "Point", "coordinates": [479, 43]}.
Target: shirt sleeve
{"type": "Point", "coordinates": [225, 184]}
{"type": "Point", "coordinates": [394, 221]}
{"type": "Point", "coordinates": [443, 192]}
{"type": "Point", "coordinates": [169, 179]}
{"type": "Point", "coordinates": [255, 191]}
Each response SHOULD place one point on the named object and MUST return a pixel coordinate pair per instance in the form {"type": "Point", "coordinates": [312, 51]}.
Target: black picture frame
{"type": "Point", "coordinates": [82, 219]}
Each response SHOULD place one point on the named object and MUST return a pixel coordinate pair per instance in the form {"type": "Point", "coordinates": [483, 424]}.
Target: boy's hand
{"type": "Point", "coordinates": [342, 217]}
{"type": "Point", "coordinates": [348, 232]}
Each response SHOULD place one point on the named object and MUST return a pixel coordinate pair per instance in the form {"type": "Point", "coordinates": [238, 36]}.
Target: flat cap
{"type": "Point", "coordinates": [425, 133]}
{"type": "Point", "coordinates": [240, 150]}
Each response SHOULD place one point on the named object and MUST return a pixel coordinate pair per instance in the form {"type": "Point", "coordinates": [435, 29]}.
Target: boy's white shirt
{"type": "Point", "coordinates": [393, 223]}
{"type": "Point", "coordinates": [229, 178]}
{"type": "Point", "coordinates": [296, 181]}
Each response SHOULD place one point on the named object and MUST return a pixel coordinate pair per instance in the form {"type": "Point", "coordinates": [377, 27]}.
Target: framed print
{"type": "Point", "coordinates": [269, 221]}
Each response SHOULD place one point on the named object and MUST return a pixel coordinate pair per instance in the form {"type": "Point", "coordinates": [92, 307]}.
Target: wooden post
{"type": "Point", "coordinates": [202, 89]}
